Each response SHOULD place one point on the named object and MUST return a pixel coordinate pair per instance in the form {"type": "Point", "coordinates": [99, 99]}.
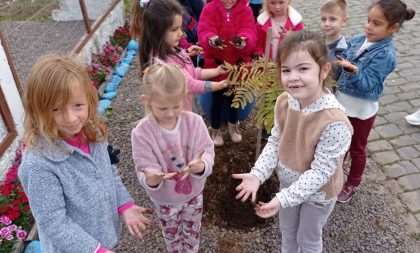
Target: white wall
{"type": "Point", "coordinates": [14, 101]}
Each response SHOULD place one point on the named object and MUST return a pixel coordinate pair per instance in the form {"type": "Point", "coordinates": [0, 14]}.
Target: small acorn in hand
{"type": "Point", "coordinates": [218, 42]}
{"type": "Point", "coordinates": [238, 41]}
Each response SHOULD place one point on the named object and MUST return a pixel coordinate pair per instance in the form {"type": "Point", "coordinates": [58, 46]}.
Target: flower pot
{"type": "Point", "coordinates": [19, 246]}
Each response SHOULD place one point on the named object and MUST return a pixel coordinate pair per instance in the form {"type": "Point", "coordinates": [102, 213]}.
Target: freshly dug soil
{"type": "Point", "coordinates": [221, 207]}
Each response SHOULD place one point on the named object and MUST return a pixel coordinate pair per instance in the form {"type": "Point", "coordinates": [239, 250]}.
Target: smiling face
{"type": "Point", "coordinates": [332, 21]}
{"type": "Point", "coordinates": [278, 8]}
{"type": "Point", "coordinates": [174, 33]}
{"type": "Point", "coordinates": [228, 4]}
{"type": "Point", "coordinates": [71, 117]}
{"type": "Point", "coordinates": [377, 27]}
{"type": "Point", "coordinates": [165, 109]}
{"type": "Point", "coordinates": [302, 77]}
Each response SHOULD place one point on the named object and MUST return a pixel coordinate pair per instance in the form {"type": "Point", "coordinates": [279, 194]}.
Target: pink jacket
{"type": "Point", "coordinates": [293, 23]}
{"type": "Point", "coordinates": [192, 76]}
{"type": "Point", "coordinates": [169, 151]}
{"type": "Point", "coordinates": [215, 20]}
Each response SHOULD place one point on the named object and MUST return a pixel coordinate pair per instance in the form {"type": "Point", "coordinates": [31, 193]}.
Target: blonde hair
{"type": "Point", "coordinates": [50, 80]}
{"type": "Point", "coordinates": [330, 4]}
{"type": "Point", "coordinates": [163, 79]}
{"type": "Point", "coordinates": [265, 6]}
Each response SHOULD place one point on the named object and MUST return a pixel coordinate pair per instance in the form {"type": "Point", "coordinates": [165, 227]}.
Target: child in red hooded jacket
{"type": "Point", "coordinates": [226, 32]}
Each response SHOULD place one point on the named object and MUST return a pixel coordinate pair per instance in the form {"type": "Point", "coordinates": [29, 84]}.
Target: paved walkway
{"type": "Point", "coordinates": [394, 145]}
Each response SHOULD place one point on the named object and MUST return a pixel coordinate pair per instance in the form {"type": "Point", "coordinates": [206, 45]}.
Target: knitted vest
{"type": "Point", "coordinates": [300, 135]}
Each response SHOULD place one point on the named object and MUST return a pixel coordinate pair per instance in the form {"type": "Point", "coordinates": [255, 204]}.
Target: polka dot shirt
{"type": "Point", "coordinates": [300, 187]}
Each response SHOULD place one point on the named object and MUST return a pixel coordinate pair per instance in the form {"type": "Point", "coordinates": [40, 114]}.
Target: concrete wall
{"type": "Point", "coordinates": [13, 99]}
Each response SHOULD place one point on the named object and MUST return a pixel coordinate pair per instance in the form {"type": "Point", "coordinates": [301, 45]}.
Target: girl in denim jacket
{"type": "Point", "coordinates": [369, 59]}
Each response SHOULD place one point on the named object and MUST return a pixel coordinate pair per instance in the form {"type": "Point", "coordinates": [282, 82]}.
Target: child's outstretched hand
{"type": "Point", "coordinates": [222, 69]}
{"type": "Point", "coordinates": [248, 186]}
{"type": "Point", "coordinates": [196, 166]}
{"type": "Point", "coordinates": [154, 176]}
{"type": "Point", "coordinates": [265, 210]}
{"type": "Point", "coordinates": [194, 50]}
{"type": "Point", "coordinates": [239, 42]}
{"type": "Point", "coordinates": [216, 42]}
{"type": "Point", "coordinates": [135, 220]}
{"type": "Point", "coordinates": [348, 66]}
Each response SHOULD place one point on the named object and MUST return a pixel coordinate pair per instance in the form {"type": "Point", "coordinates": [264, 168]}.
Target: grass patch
{"type": "Point", "coordinates": [21, 10]}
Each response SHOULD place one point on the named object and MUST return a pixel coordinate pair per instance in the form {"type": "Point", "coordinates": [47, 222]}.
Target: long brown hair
{"type": "Point", "coordinates": [149, 25]}
{"type": "Point", "coordinates": [50, 80]}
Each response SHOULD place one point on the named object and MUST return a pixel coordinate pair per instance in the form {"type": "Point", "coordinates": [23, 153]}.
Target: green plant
{"type": "Point", "coordinates": [257, 82]}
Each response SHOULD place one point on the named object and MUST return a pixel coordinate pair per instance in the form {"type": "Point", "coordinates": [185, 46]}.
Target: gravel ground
{"type": "Point", "coordinates": [369, 223]}
{"type": "Point", "coordinates": [29, 40]}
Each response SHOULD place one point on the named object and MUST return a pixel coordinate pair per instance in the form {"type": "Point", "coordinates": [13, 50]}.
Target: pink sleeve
{"type": "Point", "coordinates": [203, 142]}
{"type": "Point", "coordinates": [194, 86]}
{"type": "Point", "coordinates": [261, 37]}
{"type": "Point", "coordinates": [248, 30]}
{"type": "Point", "coordinates": [206, 29]}
{"type": "Point", "coordinates": [124, 207]}
{"type": "Point", "coordinates": [100, 249]}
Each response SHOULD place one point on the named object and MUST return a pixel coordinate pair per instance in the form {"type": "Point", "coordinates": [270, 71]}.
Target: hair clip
{"type": "Point", "coordinates": [143, 3]}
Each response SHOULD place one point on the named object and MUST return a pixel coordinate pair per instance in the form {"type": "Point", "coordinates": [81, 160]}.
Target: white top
{"type": "Point", "coordinates": [304, 187]}
{"type": "Point", "coordinates": [358, 107]}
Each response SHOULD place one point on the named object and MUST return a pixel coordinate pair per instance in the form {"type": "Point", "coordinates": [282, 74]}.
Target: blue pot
{"type": "Point", "coordinates": [133, 45]}
{"type": "Point", "coordinates": [113, 83]}
{"type": "Point", "coordinates": [33, 247]}
{"type": "Point", "coordinates": [205, 103]}
{"type": "Point", "coordinates": [103, 105]}
{"type": "Point", "coordinates": [109, 95]}
{"type": "Point", "coordinates": [122, 69]}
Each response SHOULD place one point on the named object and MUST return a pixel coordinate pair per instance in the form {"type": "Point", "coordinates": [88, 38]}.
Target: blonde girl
{"type": "Point", "coordinates": [282, 18]}
{"type": "Point", "coordinates": [74, 193]}
{"type": "Point", "coordinates": [310, 138]}
{"type": "Point", "coordinates": [174, 155]}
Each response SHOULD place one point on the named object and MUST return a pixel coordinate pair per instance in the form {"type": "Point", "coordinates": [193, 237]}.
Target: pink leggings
{"type": "Point", "coordinates": [181, 225]}
{"type": "Point", "coordinates": [358, 148]}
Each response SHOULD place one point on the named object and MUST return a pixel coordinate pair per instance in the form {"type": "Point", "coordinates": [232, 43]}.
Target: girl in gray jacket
{"type": "Point", "coordinates": [74, 192]}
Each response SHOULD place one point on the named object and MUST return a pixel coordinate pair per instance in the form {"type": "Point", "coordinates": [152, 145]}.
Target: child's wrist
{"type": "Point", "coordinates": [207, 86]}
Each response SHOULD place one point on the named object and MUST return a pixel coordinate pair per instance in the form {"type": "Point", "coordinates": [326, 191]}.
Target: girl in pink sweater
{"type": "Point", "coordinates": [174, 155]}
{"type": "Point", "coordinates": [157, 25]}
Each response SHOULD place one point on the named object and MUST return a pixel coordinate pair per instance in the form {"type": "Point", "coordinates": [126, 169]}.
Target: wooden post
{"type": "Point", "coordinates": [266, 60]}
{"type": "Point", "coordinates": [85, 16]}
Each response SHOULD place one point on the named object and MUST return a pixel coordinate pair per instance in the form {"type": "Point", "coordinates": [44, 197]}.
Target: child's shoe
{"type": "Point", "coordinates": [235, 135]}
{"type": "Point", "coordinates": [414, 118]}
{"type": "Point", "coordinates": [216, 136]}
{"type": "Point", "coordinates": [347, 193]}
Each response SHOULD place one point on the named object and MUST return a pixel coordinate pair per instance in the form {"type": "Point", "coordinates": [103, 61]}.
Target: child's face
{"type": "Point", "coordinates": [377, 26]}
{"type": "Point", "coordinates": [332, 21]}
{"type": "Point", "coordinates": [302, 77]}
{"type": "Point", "coordinates": [174, 33]}
{"type": "Point", "coordinates": [278, 8]}
{"type": "Point", "coordinates": [165, 109]}
{"type": "Point", "coordinates": [228, 4]}
{"type": "Point", "coordinates": [71, 118]}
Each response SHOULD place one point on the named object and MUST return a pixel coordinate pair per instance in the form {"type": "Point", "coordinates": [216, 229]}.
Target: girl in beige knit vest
{"type": "Point", "coordinates": [307, 145]}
